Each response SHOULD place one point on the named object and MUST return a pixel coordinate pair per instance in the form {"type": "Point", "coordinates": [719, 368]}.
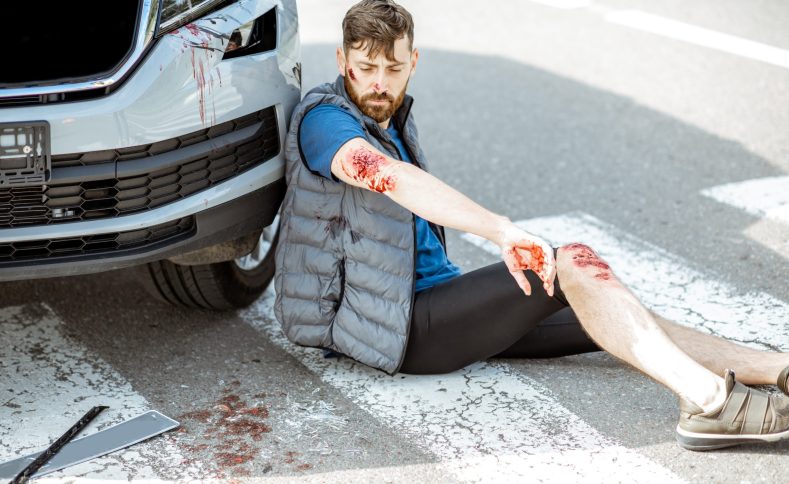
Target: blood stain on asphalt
{"type": "Point", "coordinates": [232, 424]}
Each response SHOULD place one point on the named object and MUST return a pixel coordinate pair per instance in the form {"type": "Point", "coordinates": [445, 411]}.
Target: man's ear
{"type": "Point", "coordinates": [341, 61]}
{"type": "Point", "coordinates": [414, 59]}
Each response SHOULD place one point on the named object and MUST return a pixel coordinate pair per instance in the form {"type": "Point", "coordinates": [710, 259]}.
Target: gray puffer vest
{"type": "Point", "coordinates": [346, 256]}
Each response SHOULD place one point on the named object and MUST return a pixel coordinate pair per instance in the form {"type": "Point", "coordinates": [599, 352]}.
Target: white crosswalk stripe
{"type": "Point", "coordinates": [693, 34]}
{"type": "Point", "coordinates": [487, 423]}
{"type": "Point", "coordinates": [47, 381]}
{"type": "Point", "coordinates": [677, 30]}
{"type": "Point", "coordinates": [766, 198]}
{"type": "Point", "coordinates": [564, 4]}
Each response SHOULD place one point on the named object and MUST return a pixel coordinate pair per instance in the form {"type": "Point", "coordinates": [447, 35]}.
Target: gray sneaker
{"type": "Point", "coordinates": [746, 416]}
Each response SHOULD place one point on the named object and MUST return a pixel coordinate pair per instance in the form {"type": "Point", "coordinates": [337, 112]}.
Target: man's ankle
{"type": "Point", "coordinates": [715, 399]}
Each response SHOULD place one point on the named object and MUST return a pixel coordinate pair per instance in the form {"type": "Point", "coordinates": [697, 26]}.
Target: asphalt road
{"type": "Point", "coordinates": [537, 112]}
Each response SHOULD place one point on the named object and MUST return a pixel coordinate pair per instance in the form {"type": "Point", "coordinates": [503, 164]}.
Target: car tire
{"type": "Point", "coordinates": [220, 286]}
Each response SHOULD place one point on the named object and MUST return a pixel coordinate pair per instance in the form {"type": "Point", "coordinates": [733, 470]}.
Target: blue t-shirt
{"type": "Point", "coordinates": [324, 130]}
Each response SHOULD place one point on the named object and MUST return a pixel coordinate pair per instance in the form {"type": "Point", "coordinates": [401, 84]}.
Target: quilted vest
{"type": "Point", "coordinates": [345, 259]}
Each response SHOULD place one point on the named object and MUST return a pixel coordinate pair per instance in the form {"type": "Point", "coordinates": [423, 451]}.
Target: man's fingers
{"type": "Point", "coordinates": [548, 274]}
{"type": "Point", "coordinates": [548, 288]}
{"type": "Point", "coordinates": [547, 281]}
{"type": "Point", "coordinates": [550, 281]}
{"type": "Point", "coordinates": [523, 283]}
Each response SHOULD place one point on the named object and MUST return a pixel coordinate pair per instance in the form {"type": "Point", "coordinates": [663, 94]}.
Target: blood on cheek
{"type": "Point", "coordinates": [350, 73]}
{"type": "Point", "coordinates": [368, 167]}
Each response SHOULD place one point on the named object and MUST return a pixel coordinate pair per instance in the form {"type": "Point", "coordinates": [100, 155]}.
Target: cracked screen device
{"type": "Point", "coordinates": [101, 443]}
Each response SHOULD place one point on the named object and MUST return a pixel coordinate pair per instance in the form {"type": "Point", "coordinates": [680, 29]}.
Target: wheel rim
{"type": "Point", "coordinates": [253, 260]}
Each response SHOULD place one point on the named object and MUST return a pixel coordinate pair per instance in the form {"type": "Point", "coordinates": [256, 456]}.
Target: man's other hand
{"type": "Point", "coordinates": [523, 251]}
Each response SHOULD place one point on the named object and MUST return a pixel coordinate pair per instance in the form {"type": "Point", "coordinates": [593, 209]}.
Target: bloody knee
{"type": "Point", "coordinates": [581, 256]}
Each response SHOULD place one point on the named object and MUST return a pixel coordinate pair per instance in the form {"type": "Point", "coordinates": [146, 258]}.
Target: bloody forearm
{"type": "Point", "coordinates": [418, 191]}
{"type": "Point", "coordinates": [370, 169]}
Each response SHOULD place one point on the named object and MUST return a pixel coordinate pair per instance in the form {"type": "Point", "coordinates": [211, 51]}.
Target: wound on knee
{"type": "Point", "coordinates": [368, 167]}
{"type": "Point", "coordinates": [583, 256]}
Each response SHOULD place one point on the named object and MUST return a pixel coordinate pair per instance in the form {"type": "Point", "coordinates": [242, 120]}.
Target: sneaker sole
{"type": "Point", "coordinates": [701, 442]}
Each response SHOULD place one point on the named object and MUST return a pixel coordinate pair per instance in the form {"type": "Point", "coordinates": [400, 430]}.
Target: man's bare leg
{"type": "Point", "coordinates": [615, 319]}
{"type": "Point", "coordinates": [753, 367]}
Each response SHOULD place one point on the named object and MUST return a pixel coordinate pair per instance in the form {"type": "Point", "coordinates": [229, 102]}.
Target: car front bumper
{"type": "Point", "coordinates": [181, 87]}
{"type": "Point", "coordinates": [219, 223]}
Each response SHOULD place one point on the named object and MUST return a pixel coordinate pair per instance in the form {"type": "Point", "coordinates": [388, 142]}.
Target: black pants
{"type": "Point", "coordinates": [485, 314]}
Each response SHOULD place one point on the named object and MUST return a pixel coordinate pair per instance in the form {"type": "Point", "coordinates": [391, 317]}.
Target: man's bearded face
{"type": "Point", "coordinates": [378, 86]}
{"type": "Point", "coordinates": [379, 106]}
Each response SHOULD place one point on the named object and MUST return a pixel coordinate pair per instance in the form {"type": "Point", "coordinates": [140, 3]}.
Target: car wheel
{"type": "Point", "coordinates": [219, 286]}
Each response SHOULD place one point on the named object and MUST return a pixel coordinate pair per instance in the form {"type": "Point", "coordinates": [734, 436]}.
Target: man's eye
{"type": "Point", "coordinates": [365, 69]}
{"type": "Point", "coordinates": [396, 70]}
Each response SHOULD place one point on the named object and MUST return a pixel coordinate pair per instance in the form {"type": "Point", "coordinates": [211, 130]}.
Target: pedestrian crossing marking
{"type": "Point", "coordinates": [692, 34]}
{"type": "Point", "coordinates": [564, 4]}
{"type": "Point", "coordinates": [763, 197]}
{"type": "Point", "coordinates": [486, 422]}
{"type": "Point", "coordinates": [766, 198]}
{"type": "Point", "coordinates": [47, 381]}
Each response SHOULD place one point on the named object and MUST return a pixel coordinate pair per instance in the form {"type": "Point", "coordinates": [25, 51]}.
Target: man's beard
{"type": "Point", "coordinates": [379, 112]}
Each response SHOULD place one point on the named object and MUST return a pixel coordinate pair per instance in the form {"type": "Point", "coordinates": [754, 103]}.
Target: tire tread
{"type": "Point", "coordinates": [219, 286]}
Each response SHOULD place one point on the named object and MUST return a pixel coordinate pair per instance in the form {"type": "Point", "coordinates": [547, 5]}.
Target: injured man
{"type": "Point", "coordinates": [362, 268]}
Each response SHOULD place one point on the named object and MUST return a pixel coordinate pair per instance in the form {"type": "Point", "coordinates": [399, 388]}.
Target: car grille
{"type": "Point", "coordinates": [105, 184]}
{"type": "Point", "coordinates": [93, 245]}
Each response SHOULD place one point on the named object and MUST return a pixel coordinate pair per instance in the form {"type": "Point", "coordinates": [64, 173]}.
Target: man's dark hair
{"type": "Point", "coordinates": [376, 25]}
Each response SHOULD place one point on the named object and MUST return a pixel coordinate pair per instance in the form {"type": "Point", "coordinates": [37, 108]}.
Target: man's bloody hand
{"type": "Point", "coordinates": [523, 251]}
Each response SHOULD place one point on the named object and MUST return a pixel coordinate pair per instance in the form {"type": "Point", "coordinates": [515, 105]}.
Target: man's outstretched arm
{"type": "Point", "coordinates": [360, 164]}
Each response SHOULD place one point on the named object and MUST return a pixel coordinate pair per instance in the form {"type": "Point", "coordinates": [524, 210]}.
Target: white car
{"type": "Point", "coordinates": [147, 133]}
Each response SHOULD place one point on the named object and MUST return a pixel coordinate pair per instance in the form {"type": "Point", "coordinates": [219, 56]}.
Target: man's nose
{"type": "Point", "coordinates": [379, 84]}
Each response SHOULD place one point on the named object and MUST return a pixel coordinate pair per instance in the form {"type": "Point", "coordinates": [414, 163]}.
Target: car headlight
{"type": "Point", "coordinates": [176, 13]}
{"type": "Point", "coordinates": [255, 36]}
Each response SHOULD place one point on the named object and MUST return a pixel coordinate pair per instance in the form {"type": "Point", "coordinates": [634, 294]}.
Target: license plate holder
{"type": "Point", "coordinates": [25, 154]}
